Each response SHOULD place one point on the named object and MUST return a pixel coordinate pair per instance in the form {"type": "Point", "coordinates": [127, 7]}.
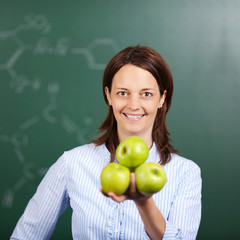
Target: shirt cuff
{"type": "Point", "coordinates": [170, 232]}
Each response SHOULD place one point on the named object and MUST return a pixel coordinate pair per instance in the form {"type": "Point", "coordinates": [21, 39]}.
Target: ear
{"type": "Point", "coordinates": [162, 99]}
{"type": "Point", "coordinates": [108, 95]}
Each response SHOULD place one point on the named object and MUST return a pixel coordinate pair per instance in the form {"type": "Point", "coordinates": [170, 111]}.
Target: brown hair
{"type": "Point", "coordinates": [150, 60]}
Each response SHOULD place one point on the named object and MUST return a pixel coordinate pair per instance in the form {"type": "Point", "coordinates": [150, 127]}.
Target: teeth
{"type": "Point", "coordinates": [134, 116]}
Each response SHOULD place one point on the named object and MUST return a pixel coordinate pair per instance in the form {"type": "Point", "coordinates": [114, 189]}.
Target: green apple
{"type": "Point", "coordinates": [150, 178]}
{"type": "Point", "coordinates": [115, 178]}
{"type": "Point", "coordinates": [132, 152]}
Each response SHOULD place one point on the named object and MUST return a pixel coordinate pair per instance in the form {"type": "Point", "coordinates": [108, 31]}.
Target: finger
{"type": "Point", "coordinates": [132, 187]}
{"type": "Point", "coordinates": [101, 190]}
{"type": "Point", "coordinates": [117, 198]}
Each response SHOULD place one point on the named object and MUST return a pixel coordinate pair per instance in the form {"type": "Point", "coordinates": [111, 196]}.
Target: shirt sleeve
{"type": "Point", "coordinates": [48, 203]}
{"type": "Point", "coordinates": [185, 214]}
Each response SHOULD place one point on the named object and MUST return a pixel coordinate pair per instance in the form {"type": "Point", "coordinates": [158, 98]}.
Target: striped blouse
{"type": "Point", "coordinates": [74, 180]}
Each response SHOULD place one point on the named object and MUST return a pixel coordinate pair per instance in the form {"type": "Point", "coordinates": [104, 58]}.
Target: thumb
{"type": "Point", "coordinates": [132, 187]}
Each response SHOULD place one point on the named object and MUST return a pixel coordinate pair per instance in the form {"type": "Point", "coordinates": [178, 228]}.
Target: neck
{"type": "Point", "coordinates": [146, 138]}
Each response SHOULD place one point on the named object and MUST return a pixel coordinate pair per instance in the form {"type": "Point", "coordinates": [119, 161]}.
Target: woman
{"type": "Point", "coordinates": [137, 87]}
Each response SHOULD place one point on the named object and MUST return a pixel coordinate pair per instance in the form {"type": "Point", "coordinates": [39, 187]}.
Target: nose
{"type": "Point", "coordinates": [134, 102]}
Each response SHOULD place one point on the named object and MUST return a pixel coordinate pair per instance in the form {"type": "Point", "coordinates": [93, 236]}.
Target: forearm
{"type": "Point", "coordinates": [152, 218]}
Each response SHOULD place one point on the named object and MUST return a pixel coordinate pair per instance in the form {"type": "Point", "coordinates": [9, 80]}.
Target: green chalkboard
{"type": "Point", "coordinates": [52, 57]}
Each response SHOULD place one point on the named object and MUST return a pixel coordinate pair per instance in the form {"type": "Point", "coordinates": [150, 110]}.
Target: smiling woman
{"type": "Point", "coordinates": [135, 99]}
{"type": "Point", "coordinates": [137, 87]}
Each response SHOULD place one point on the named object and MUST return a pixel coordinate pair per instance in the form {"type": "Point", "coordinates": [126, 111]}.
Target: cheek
{"type": "Point", "coordinates": [151, 108]}
{"type": "Point", "coordinates": [117, 107]}
{"type": "Point", "coordinates": [118, 104]}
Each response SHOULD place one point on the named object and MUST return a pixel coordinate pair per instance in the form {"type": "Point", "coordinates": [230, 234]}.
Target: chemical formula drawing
{"type": "Point", "coordinates": [18, 79]}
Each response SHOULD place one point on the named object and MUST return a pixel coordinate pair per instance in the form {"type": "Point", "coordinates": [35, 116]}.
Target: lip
{"type": "Point", "coordinates": [134, 117]}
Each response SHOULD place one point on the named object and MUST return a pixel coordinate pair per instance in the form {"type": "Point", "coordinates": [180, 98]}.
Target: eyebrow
{"type": "Point", "coordinates": [148, 89]}
{"type": "Point", "coordinates": [144, 89]}
{"type": "Point", "coordinates": [121, 88]}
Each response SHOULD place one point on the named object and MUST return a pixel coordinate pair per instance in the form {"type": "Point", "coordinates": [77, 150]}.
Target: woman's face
{"type": "Point", "coordinates": [135, 99]}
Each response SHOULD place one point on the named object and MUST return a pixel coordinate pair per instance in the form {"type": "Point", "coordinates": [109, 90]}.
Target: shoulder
{"type": "Point", "coordinates": [87, 154]}
{"type": "Point", "coordinates": [85, 149]}
{"type": "Point", "coordinates": [181, 167]}
{"type": "Point", "coordinates": [180, 161]}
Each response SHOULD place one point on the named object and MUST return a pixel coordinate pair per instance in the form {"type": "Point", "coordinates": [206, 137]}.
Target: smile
{"type": "Point", "coordinates": [133, 117]}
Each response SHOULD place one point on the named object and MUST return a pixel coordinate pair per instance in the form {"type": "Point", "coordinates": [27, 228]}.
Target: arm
{"type": "Point", "coordinates": [184, 216]}
{"type": "Point", "coordinates": [152, 218]}
{"type": "Point", "coordinates": [48, 203]}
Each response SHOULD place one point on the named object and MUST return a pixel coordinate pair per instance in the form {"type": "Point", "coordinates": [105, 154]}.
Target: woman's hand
{"type": "Point", "coordinates": [152, 218]}
{"type": "Point", "coordinates": [131, 193]}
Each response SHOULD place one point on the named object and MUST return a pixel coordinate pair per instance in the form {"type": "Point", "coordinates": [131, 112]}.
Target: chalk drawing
{"type": "Point", "coordinates": [19, 83]}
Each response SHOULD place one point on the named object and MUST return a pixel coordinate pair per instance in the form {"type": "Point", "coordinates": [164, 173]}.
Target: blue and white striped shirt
{"type": "Point", "coordinates": [75, 180]}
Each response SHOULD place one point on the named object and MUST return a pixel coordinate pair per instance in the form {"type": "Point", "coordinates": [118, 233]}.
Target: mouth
{"type": "Point", "coordinates": [134, 117]}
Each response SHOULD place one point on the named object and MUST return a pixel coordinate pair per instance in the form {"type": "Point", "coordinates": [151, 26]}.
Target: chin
{"type": "Point", "coordinates": [134, 132]}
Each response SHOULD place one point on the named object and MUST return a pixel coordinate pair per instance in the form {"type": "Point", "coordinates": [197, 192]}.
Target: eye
{"type": "Point", "coordinates": [122, 93]}
{"type": "Point", "coordinates": [147, 94]}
